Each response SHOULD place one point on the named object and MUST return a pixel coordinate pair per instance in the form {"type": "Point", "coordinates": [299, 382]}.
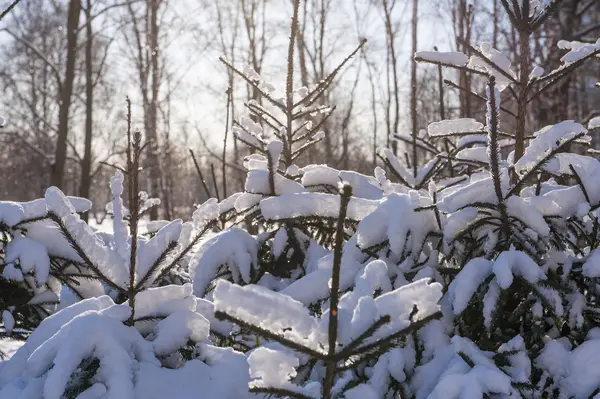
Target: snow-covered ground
{"type": "Point", "coordinates": [9, 347]}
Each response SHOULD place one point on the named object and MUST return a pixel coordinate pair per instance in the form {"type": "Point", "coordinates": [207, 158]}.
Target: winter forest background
{"type": "Point", "coordinates": [300, 199]}
{"type": "Point", "coordinates": [184, 106]}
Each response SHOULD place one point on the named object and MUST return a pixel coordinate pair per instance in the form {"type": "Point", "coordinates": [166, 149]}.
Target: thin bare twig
{"type": "Point", "coordinates": [200, 174]}
{"type": "Point", "coordinates": [9, 8]}
{"type": "Point", "coordinates": [224, 163]}
{"type": "Point", "coordinates": [214, 180]}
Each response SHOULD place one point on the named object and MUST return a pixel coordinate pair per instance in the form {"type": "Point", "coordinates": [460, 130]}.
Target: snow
{"type": "Point", "coordinates": [275, 148]}
{"type": "Point", "coordinates": [511, 263]}
{"type": "Point", "coordinates": [257, 181]}
{"type": "Point", "coordinates": [37, 208]}
{"type": "Point", "coordinates": [234, 248]}
{"type": "Point", "coordinates": [250, 72]}
{"type": "Point", "coordinates": [207, 309]}
{"type": "Point", "coordinates": [451, 127]}
{"type": "Point", "coordinates": [478, 191]}
{"type": "Point", "coordinates": [471, 139]}
{"type": "Point", "coordinates": [225, 378]}
{"type": "Point", "coordinates": [8, 347]}
{"type": "Point", "coordinates": [302, 91]}
{"type": "Point", "coordinates": [500, 62]}
{"type": "Point", "coordinates": [31, 255]}
{"type": "Point", "coordinates": [553, 298]}
{"type": "Point", "coordinates": [8, 321]}
{"type": "Point", "coordinates": [108, 262]}
{"type": "Point", "coordinates": [279, 242]}
{"type": "Point", "coordinates": [466, 283]}
{"type": "Point", "coordinates": [362, 186]}
{"type": "Point", "coordinates": [536, 72]}
{"type": "Point", "coordinates": [457, 379]}
{"type": "Point", "coordinates": [525, 211]}
{"type": "Point", "coordinates": [47, 329]}
{"type": "Point", "coordinates": [594, 123]}
{"type": "Point", "coordinates": [362, 391]}
{"type": "Point", "coordinates": [289, 206]}
{"type": "Point", "coordinates": [102, 336]}
{"type": "Point", "coordinates": [320, 135]}
{"type": "Point", "coordinates": [552, 358]}
{"type": "Point", "coordinates": [120, 232]}
{"type": "Point", "coordinates": [151, 250]}
{"type": "Point", "coordinates": [360, 302]}
{"type": "Point", "coordinates": [399, 304]}
{"type": "Point", "coordinates": [11, 213]}
{"type": "Point", "coordinates": [577, 372]}
{"type": "Point", "coordinates": [44, 297]}
{"type": "Point", "coordinates": [561, 163]}
{"type": "Point", "coordinates": [129, 367]}
{"type": "Point", "coordinates": [315, 285]}
{"type": "Point", "coordinates": [563, 201]}
{"type": "Point", "coordinates": [448, 58]}
{"type": "Point", "coordinates": [591, 267]}
{"type": "Point", "coordinates": [161, 301]}
{"type": "Point", "coordinates": [394, 219]}
{"type": "Point", "coordinates": [458, 221]}
{"type": "Point", "coordinates": [10, 272]}
{"type": "Point", "coordinates": [546, 140]}
{"type": "Point", "coordinates": [478, 154]}
{"type": "Point", "coordinates": [246, 137]}
{"type": "Point", "coordinates": [247, 201]}
{"type": "Point", "coordinates": [520, 369]}
{"type": "Point", "coordinates": [490, 300]}
{"type": "Point", "coordinates": [177, 329]}
{"type": "Point", "coordinates": [58, 203]}
{"type": "Point", "coordinates": [576, 307]}
{"type": "Point", "coordinates": [416, 243]}
{"type": "Point", "coordinates": [267, 309]}
{"type": "Point", "coordinates": [256, 162]}
{"type": "Point", "coordinates": [269, 368]}
{"type": "Point", "coordinates": [577, 50]}
{"type": "Point", "coordinates": [398, 166]}
{"type": "Point", "coordinates": [208, 211]}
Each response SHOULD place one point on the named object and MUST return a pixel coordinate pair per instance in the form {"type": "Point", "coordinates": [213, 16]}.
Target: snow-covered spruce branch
{"type": "Point", "coordinates": [370, 340]}
{"type": "Point", "coordinates": [538, 166]}
{"type": "Point", "coordinates": [420, 57]}
{"type": "Point", "coordinates": [313, 95]}
{"type": "Point", "coordinates": [560, 73]}
{"type": "Point", "coordinates": [476, 95]}
{"type": "Point", "coordinates": [184, 252]}
{"type": "Point", "coordinates": [252, 81]}
{"type": "Point", "coordinates": [488, 61]}
{"type": "Point", "coordinates": [87, 262]}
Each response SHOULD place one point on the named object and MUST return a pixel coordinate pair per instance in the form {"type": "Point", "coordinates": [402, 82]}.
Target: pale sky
{"type": "Point", "coordinates": [200, 97]}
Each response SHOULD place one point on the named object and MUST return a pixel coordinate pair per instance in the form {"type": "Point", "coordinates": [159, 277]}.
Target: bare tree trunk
{"type": "Point", "coordinates": [496, 23]}
{"type": "Point", "coordinates": [302, 49]}
{"type": "Point", "coordinates": [463, 14]}
{"type": "Point", "coordinates": [60, 155]}
{"type": "Point", "coordinates": [167, 178]}
{"type": "Point", "coordinates": [373, 106]}
{"type": "Point", "coordinates": [86, 163]}
{"type": "Point", "coordinates": [154, 170]}
{"type": "Point", "coordinates": [230, 50]}
{"type": "Point", "coordinates": [395, 90]}
{"type": "Point", "coordinates": [413, 92]}
{"type": "Point", "coordinates": [524, 70]}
